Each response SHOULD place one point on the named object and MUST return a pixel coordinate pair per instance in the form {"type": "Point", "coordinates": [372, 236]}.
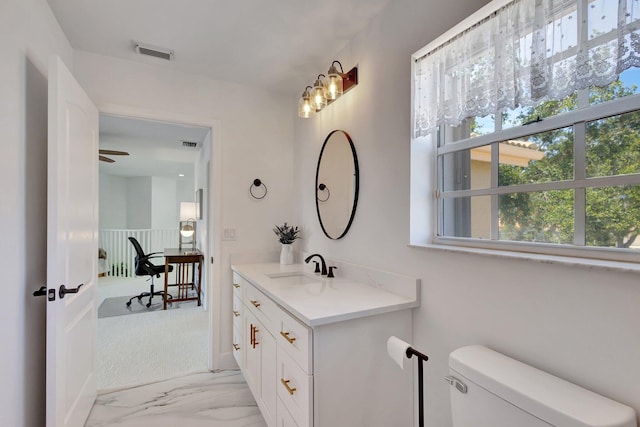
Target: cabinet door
{"type": "Point", "coordinates": [260, 366]}
{"type": "Point", "coordinates": [284, 419]}
{"type": "Point", "coordinates": [252, 354]}
{"type": "Point", "coordinates": [268, 371]}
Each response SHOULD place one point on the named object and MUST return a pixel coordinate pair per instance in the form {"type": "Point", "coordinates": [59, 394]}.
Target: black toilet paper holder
{"type": "Point", "coordinates": [421, 359]}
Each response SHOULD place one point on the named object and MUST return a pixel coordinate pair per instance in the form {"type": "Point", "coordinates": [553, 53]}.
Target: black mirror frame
{"type": "Point", "coordinates": [357, 189]}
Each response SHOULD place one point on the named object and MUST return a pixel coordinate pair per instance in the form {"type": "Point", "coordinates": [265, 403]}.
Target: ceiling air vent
{"type": "Point", "coordinates": [157, 52]}
{"type": "Point", "coordinates": [189, 144]}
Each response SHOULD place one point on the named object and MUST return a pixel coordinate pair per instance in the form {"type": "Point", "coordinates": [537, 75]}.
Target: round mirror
{"type": "Point", "coordinates": [337, 181]}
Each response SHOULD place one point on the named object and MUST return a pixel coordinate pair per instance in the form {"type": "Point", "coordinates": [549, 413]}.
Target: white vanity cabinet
{"type": "Point", "coordinates": [321, 372]}
{"type": "Point", "coordinates": [271, 371]}
{"type": "Point", "coordinates": [254, 345]}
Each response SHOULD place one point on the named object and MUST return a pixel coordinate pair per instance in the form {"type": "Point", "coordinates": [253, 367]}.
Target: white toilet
{"type": "Point", "coordinates": [489, 389]}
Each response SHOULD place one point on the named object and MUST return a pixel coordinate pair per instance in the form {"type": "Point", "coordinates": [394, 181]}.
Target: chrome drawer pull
{"type": "Point", "coordinates": [286, 337]}
{"type": "Point", "coordinates": [236, 313]}
{"type": "Point", "coordinates": [236, 346]}
{"type": "Point", "coordinates": [285, 383]}
{"type": "Point", "coordinates": [256, 304]}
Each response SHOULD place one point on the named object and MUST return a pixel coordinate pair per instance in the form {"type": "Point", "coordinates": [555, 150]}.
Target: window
{"type": "Point", "coordinates": [534, 110]}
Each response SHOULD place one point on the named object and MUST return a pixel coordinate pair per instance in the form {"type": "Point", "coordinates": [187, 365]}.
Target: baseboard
{"type": "Point", "coordinates": [226, 361]}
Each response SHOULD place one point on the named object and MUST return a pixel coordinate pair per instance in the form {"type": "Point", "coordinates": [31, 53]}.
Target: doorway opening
{"type": "Point", "coordinates": [148, 171]}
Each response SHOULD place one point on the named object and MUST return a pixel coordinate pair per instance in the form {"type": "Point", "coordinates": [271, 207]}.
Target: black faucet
{"type": "Point", "coordinates": [324, 264]}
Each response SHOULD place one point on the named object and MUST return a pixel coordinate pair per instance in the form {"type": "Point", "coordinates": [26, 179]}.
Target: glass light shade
{"type": "Point", "coordinates": [305, 108]}
{"type": "Point", "coordinates": [334, 84]}
{"type": "Point", "coordinates": [187, 230]}
{"type": "Point", "coordinates": [318, 99]}
{"type": "Point", "coordinates": [188, 233]}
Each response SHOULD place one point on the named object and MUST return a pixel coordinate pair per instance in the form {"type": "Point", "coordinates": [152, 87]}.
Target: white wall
{"type": "Point", "coordinates": [164, 205]}
{"type": "Point", "coordinates": [28, 35]}
{"type": "Point", "coordinates": [139, 202]}
{"type": "Point", "coordinates": [255, 141]}
{"type": "Point", "coordinates": [184, 192]}
{"type": "Point", "coordinates": [577, 322]}
{"type": "Point", "coordinates": [113, 202]}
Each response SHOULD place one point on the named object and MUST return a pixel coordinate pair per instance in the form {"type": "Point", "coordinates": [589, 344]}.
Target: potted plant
{"type": "Point", "coordinates": [287, 234]}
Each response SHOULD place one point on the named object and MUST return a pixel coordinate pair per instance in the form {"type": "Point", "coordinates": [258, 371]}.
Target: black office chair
{"type": "Point", "coordinates": [145, 268]}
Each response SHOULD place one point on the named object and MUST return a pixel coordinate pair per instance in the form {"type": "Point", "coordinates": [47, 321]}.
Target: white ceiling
{"type": "Point", "coordinates": [155, 148]}
{"type": "Point", "coordinates": [279, 45]}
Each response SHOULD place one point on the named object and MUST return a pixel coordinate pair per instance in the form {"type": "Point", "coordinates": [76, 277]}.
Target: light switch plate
{"type": "Point", "coordinates": [229, 234]}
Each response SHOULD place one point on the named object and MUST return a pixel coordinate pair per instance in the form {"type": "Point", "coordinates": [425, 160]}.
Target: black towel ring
{"type": "Point", "coordinates": [323, 187]}
{"type": "Point", "coordinates": [257, 183]}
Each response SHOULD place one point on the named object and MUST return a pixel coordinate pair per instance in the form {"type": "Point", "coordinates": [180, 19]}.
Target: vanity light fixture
{"type": "Point", "coordinates": [335, 83]}
{"type": "Point", "coordinates": [326, 89]}
{"type": "Point", "coordinates": [305, 109]}
{"type": "Point", "coordinates": [318, 95]}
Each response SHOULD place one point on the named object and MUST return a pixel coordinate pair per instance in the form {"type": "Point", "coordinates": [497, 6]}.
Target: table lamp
{"type": "Point", "coordinates": [187, 225]}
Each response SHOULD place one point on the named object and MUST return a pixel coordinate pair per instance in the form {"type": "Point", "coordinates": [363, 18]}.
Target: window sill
{"type": "Point", "coordinates": [618, 266]}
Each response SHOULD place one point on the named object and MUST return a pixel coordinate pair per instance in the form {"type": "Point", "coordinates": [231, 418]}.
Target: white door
{"type": "Point", "coordinates": [72, 249]}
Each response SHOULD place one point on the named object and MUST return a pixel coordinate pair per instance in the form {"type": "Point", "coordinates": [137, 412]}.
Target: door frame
{"type": "Point", "coordinates": [214, 292]}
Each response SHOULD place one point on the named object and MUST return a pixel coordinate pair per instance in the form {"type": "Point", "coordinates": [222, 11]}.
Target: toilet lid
{"type": "Point", "coordinates": [548, 397]}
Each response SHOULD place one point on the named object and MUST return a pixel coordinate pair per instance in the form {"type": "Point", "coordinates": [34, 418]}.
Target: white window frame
{"type": "Point", "coordinates": [577, 119]}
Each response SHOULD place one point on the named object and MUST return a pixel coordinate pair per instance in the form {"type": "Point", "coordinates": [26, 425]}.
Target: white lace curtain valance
{"type": "Point", "coordinates": [527, 52]}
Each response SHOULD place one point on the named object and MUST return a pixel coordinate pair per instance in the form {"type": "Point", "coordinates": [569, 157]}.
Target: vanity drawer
{"type": "Point", "coordinates": [283, 417]}
{"type": "Point", "coordinates": [295, 388]}
{"type": "Point", "coordinates": [296, 339]}
{"type": "Point", "coordinates": [261, 305]}
{"type": "Point", "coordinates": [237, 312]}
{"type": "Point", "coordinates": [238, 346]}
{"type": "Point", "coordinates": [238, 285]}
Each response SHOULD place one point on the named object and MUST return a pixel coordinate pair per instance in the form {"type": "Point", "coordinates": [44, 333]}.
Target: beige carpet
{"type": "Point", "coordinates": [143, 348]}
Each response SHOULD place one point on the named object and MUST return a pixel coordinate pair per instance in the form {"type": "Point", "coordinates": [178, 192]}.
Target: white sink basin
{"type": "Point", "coordinates": [294, 278]}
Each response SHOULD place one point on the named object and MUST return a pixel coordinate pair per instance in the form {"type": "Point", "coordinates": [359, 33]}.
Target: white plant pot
{"type": "Point", "coordinates": [286, 254]}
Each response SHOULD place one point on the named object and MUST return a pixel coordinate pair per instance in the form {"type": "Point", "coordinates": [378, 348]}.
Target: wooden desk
{"type": "Point", "coordinates": [186, 262]}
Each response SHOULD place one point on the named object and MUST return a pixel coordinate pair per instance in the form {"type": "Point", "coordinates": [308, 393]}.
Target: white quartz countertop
{"type": "Point", "coordinates": [316, 300]}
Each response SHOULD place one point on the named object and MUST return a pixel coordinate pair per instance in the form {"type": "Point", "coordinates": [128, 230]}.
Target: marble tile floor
{"type": "Point", "coordinates": [212, 399]}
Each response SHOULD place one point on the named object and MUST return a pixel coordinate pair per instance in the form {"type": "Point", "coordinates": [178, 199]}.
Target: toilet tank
{"type": "Point", "coordinates": [490, 389]}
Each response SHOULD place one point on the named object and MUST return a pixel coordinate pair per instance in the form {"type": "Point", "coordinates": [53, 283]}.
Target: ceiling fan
{"type": "Point", "coordinates": [110, 153]}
